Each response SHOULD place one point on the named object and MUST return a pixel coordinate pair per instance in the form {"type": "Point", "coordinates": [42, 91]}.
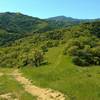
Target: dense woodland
{"type": "Point", "coordinates": [25, 40]}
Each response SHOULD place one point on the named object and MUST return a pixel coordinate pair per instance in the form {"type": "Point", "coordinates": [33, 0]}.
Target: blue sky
{"type": "Point", "coordinates": [49, 8]}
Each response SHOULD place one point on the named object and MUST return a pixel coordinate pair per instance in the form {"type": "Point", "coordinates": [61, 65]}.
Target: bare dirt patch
{"type": "Point", "coordinates": [1, 74]}
{"type": "Point", "coordinates": [40, 93]}
{"type": "Point", "coordinates": [7, 96]}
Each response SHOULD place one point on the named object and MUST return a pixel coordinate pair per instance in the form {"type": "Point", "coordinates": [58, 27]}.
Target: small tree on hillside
{"type": "Point", "coordinates": [44, 48]}
{"type": "Point", "coordinates": [38, 58]}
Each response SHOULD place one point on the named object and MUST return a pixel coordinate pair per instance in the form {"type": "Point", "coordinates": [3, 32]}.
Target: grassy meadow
{"type": "Point", "coordinates": [8, 85]}
{"type": "Point", "coordinates": [61, 74]}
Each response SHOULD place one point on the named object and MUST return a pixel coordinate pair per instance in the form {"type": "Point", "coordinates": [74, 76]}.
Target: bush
{"type": "Point", "coordinates": [49, 44]}
{"type": "Point", "coordinates": [63, 41]}
{"type": "Point", "coordinates": [72, 50]}
{"type": "Point", "coordinates": [44, 48]}
{"type": "Point", "coordinates": [80, 62]}
{"type": "Point", "coordinates": [38, 58]}
{"type": "Point", "coordinates": [96, 60]}
{"type": "Point", "coordinates": [56, 43]}
{"type": "Point", "coordinates": [65, 51]}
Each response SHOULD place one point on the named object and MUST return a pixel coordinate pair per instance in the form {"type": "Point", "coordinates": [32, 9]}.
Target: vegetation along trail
{"type": "Point", "coordinates": [40, 93]}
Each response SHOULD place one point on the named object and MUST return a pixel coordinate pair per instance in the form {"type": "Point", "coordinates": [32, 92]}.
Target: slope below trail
{"type": "Point", "coordinates": [40, 93]}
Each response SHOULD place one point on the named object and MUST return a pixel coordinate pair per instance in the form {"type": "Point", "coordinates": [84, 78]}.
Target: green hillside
{"type": "Point", "coordinates": [66, 59]}
{"type": "Point", "coordinates": [81, 42]}
{"type": "Point", "coordinates": [61, 74]}
{"type": "Point", "coordinates": [17, 25]}
{"type": "Point", "coordinates": [20, 23]}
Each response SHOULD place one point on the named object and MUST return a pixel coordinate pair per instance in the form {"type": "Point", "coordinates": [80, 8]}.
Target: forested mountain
{"type": "Point", "coordinates": [17, 25]}
{"type": "Point", "coordinates": [70, 19]}
{"type": "Point", "coordinates": [81, 41]}
{"type": "Point", "coordinates": [22, 35]}
{"type": "Point", "coordinates": [64, 22]}
{"type": "Point", "coordinates": [20, 23]}
{"type": "Point", "coordinates": [64, 18]}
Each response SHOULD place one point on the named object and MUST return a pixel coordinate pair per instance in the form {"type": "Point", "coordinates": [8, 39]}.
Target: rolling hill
{"type": "Point", "coordinates": [59, 53]}
{"type": "Point", "coordinates": [17, 25]}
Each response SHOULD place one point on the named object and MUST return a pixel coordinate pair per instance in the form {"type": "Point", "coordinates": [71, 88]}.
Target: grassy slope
{"type": "Point", "coordinates": [9, 85]}
{"type": "Point", "coordinates": [78, 83]}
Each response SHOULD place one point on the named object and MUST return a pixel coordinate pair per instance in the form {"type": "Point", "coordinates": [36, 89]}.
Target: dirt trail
{"type": "Point", "coordinates": [1, 74]}
{"type": "Point", "coordinates": [7, 96]}
{"type": "Point", "coordinates": [40, 93]}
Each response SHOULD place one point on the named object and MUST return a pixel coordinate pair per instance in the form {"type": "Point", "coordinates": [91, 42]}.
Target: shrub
{"type": "Point", "coordinates": [38, 57]}
{"type": "Point", "coordinates": [79, 61]}
{"type": "Point", "coordinates": [56, 43]}
{"type": "Point", "coordinates": [72, 50]}
{"type": "Point", "coordinates": [49, 44]}
{"type": "Point", "coordinates": [44, 48]}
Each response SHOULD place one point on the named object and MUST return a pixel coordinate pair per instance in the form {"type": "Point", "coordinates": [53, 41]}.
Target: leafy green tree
{"type": "Point", "coordinates": [49, 44]}
{"type": "Point", "coordinates": [73, 50]}
{"type": "Point", "coordinates": [79, 61]}
{"type": "Point", "coordinates": [38, 58]}
{"type": "Point", "coordinates": [44, 48]}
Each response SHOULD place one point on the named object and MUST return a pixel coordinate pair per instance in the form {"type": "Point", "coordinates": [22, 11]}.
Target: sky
{"type": "Point", "coordinates": [82, 9]}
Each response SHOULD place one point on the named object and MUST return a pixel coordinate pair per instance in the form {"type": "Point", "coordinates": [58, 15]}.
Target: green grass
{"type": "Point", "coordinates": [9, 85]}
{"type": "Point", "coordinates": [76, 82]}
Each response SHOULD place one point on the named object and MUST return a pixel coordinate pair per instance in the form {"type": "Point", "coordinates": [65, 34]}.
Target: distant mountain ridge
{"type": "Point", "coordinates": [65, 22]}
{"type": "Point", "coordinates": [20, 23]}
{"type": "Point", "coordinates": [14, 26]}
{"type": "Point", "coordinates": [64, 18]}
